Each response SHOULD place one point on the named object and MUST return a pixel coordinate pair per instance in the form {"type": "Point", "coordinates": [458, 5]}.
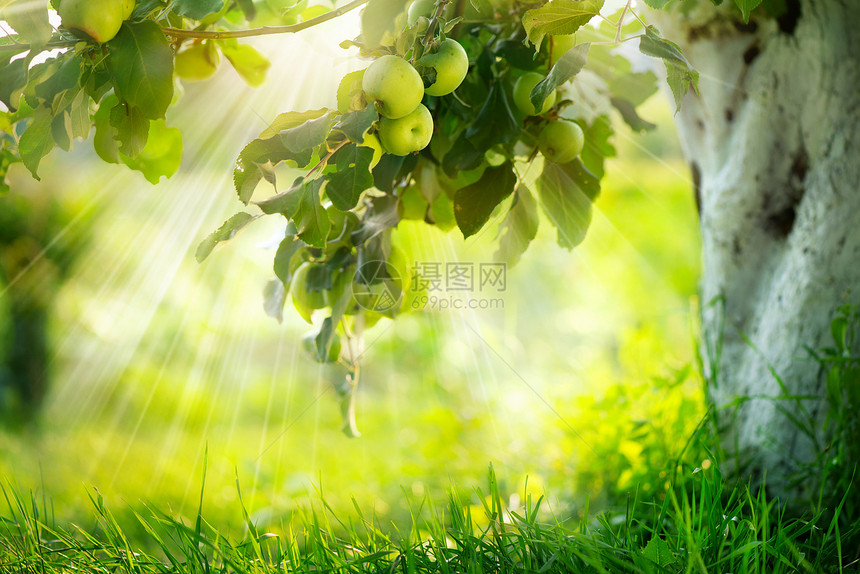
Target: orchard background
{"type": "Point", "coordinates": [582, 374]}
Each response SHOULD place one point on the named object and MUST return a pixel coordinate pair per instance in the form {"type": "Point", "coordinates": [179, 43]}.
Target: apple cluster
{"type": "Point", "coordinates": [560, 141]}
{"type": "Point", "coordinates": [397, 90]}
{"type": "Point", "coordinates": [98, 20]}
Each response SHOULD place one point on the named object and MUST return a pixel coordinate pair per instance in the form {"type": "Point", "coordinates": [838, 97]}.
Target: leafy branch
{"type": "Point", "coordinates": [265, 30]}
{"type": "Point", "coordinates": [434, 21]}
{"type": "Point", "coordinates": [211, 34]}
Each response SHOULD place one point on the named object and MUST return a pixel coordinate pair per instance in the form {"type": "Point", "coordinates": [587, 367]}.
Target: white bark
{"type": "Point", "coordinates": [773, 139]}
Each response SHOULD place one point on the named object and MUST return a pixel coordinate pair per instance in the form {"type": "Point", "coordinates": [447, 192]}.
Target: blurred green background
{"type": "Point", "coordinates": [585, 381]}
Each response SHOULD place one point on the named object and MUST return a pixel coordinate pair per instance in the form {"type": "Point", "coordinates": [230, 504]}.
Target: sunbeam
{"type": "Point", "coordinates": [158, 360]}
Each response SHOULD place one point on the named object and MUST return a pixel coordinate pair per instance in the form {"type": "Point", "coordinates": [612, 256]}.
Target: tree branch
{"type": "Point", "coordinates": [215, 34]}
{"type": "Point", "coordinates": [265, 30]}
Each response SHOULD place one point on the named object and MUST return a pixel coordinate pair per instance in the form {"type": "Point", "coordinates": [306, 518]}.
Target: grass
{"type": "Point", "coordinates": [702, 524]}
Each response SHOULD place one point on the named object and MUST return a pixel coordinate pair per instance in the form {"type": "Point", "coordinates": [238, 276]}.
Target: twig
{"type": "Point", "coordinates": [621, 22]}
{"type": "Point", "coordinates": [431, 29]}
{"type": "Point", "coordinates": [265, 30]}
{"type": "Point", "coordinates": [215, 34]}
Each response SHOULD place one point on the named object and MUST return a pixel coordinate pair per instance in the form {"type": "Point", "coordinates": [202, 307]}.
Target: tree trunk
{"type": "Point", "coordinates": [24, 372]}
{"type": "Point", "coordinates": [773, 140]}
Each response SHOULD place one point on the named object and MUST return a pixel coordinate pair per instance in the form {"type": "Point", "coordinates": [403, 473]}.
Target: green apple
{"type": "Point", "coordinates": [105, 145]}
{"type": "Point", "coordinates": [561, 141]}
{"type": "Point", "coordinates": [561, 44]}
{"type": "Point", "coordinates": [385, 297]}
{"type": "Point", "coordinates": [393, 85]}
{"type": "Point", "coordinates": [451, 64]}
{"type": "Point", "coordinates": [420, 8]}
{"type": "Point", "coordinates": [99, 20]}
{"type": "Point", "coordinates": [304, 300]}
{"type": "Point", "coordinates": [127, 8]}
{"type": "Point", "coordinates": [522, 91]}
{"type": "Point", "coordinates": [197, 62]}
{"type": "Point", "coordinates": [408, 134]}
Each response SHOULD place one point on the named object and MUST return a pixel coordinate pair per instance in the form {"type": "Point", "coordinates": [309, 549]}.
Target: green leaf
{"type": "Point", "coordinates": [652, 44]}
{"type": "Point", "coordinates": [197, 9]}
{"type": "Point", "coordinates": [352, 177]}
{"type": "Point", "coordinates": [54, 84]}
{"type": "Point", "coordinates": [292, 136]}
{"type": "Point", "coordinates": [391, 169]}
{"type": "Point", "coordinates": [7, 158]}
{"type": "Point", "coordinates": [680, 82]}
{"type": "Point", "coordinates": [519, 227]}
{"type": "Point", "coordinates": [569, 65]}
{"type": "Point", "coordinates": [494, 124]}
{"type": "Point", "coordinates": [307, 135]}
{"type": "Point", "coordinates": [566, 192]}
{"type": "Point", "coordinates": [630, 116]}
{"type": "Point", "coordinates": [462, 156]}
{"type": "Point", "coordinates": [37, 141]}
{"type": "Point", "coordinates": [61, 130]}
{"type": "Point", "coordinates": [274, 297]}
{"type": "Point", "coordinates": [559, 17]}
{"type": "Point", "coordinates": [597, 146]}
{"type": "Point", "coordinates": [517, 55]}
{"type": "Point", "coordinates": [141, 61]}
{"type": "Point", "coordinates": [132, 128]}
{"type": "Point", "coordinates": [226, 232]}
{"type": "Point", "coordinates": [658, 552]}
{"type": "Point", "coordinates": [79, 114]}
{"type": "Point", "coordinates": [255, 163]}
{"type": "Point", "coordinates": [679, 73]}
{"type": "Point", "coordinates": [104, 141]}
{"type": "Point", "coordinates": [283, 256]}
{"type": "Point", "coordinates": [161, 155]}
{"type": "Point", "coordinates": [30, 21]}
{"type": "Point", "coordinates": [838, 329]}
{"type": "Point", "coordinates": [311, 219]}
{"type": "Point", "coordinates": [289, 120]}
{"type": "Point", "coordinates": [658, 4]}
{"type": "Point", "coordinates": [349, 92]}
{"type": "Point", "coordinates": [355, 124]}
{"type": "Point", "coordinates": [474, 203]}
{"type": "Point", "coordinates": [301, 204]}
{"type": "Point", "coordinates": [287, 202]}
{"type": "Point", "coordinates": [250, 64]}
{"type": "Point", "coordinates": [13, 78]}
{"type": "Point", "coordinates": [378, 19]}
{"type": "Point", "coordinates": [747, 6]}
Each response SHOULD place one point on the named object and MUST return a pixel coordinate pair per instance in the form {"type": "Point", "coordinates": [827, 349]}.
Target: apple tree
{"type": "Point", "coordinates": [470, 110]}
